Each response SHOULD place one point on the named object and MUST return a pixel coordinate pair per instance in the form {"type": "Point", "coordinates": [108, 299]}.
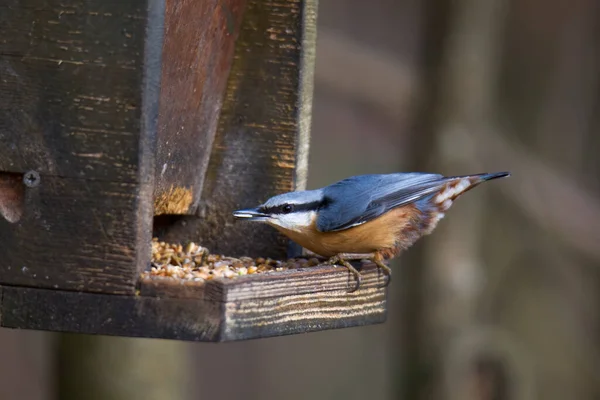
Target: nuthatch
{"type": "Point", "coordinates": [371, 217]}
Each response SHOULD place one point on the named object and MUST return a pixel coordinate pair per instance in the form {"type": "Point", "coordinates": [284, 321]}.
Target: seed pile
{"type": "Point", "coordinates": [194, 262]}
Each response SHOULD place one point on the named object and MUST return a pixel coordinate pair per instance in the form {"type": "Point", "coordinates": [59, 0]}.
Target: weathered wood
{"type": "Point", "coordinates": [70, 93]}
{"type": "Point", "coordinates": [133, 316]}
{"type": "Point", "coordinates": [255, 155]}
{"type": "Point", "coordinates": [197, 55]}
{"type": "Point", "coordinates": [305, 90]}
{"type": "Point", "coordinates": [78, 107]}
{"type": "Point", "coordinates": [75, 234]}
{"type": "Point", "coordinates": [243, 308]}
{"type": "Point", "coordinates": [258, 286]}
{"type": "Point", "coordinates": [295, 314]}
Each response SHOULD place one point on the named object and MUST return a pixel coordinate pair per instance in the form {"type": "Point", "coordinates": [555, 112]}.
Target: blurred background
{"type": "Point", "coordinates": [501, 302]}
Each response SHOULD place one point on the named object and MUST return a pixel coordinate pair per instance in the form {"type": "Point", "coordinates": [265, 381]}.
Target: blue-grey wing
{"type": "Point", "coordinates": [359, 199]}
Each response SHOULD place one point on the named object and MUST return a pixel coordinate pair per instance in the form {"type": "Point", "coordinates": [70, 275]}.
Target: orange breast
{"type": "Point", "coordinates": [387, 232]}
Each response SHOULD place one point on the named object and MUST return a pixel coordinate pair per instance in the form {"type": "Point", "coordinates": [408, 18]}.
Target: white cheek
{"type": "Point", "coordinates": [282, 221]}
{"type": "Point", "coordinates": [293, 222]}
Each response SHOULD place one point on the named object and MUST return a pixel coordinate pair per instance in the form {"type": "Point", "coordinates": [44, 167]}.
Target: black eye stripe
{"type": "Point", "coordinates": [281, 209]}
{"type": "Point", "coordinates": [313, 206]}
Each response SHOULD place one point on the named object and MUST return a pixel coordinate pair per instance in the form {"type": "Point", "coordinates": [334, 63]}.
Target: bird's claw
{"type": "Point", "coordinates": [380, 264]}
{"type": "Point", "coordinates": [387, 271]}
{"type": "Point", "coordinates": [337, 259]}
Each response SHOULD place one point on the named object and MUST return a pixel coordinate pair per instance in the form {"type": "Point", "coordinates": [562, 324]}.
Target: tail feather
{"type": "Point", "coordinates": [483, 177]}
{"type": "Point", "coordinates": [460, 184]}
{"type": "Point", "coordinates": [495, 175]}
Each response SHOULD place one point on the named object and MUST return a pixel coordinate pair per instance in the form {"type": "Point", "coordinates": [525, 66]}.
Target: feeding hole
{"type": "Point", "coordinates": [162, 223]}
{"type": "Point", "coordinates": [12, 196]}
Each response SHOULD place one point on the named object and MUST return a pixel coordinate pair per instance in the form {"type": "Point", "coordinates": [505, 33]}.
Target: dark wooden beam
{"type": "Point", "coordinates": [134, 316]}
{"type": "Point", "coordinates": [256, 154]}
{"type": "Point", "coordinates": [75, 234]}
{"type": "Point", "coordinates": [250, 307]}
{"type": "Point", "coordinates": [71, 98]}
{"type": "Point", "coordinates": [78, 108]}
{"type": "Point", "coordinates": [197, 54]}
{"type": "Point", "coordinates": [1, 302]}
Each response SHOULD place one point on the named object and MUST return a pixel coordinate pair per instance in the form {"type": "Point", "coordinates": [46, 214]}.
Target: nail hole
{"type": "Point", "coordinates": [31, 179]}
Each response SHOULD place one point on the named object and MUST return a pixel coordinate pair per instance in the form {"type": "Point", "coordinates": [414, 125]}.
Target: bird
{"type": "Point", "coordinates": [365, 217]}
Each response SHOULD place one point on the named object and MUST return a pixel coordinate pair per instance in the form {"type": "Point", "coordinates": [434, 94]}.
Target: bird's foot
{"type": "Point", "coordinates": [387, 271]}
{"type": "Point", "coordinates": [339, 259]}
{"type": "Point", "coordinates": [204, 258]}
{"type": "Point", "coordinates": [376, 258]}
{"type": "Point", "coordinates": [310, 254]}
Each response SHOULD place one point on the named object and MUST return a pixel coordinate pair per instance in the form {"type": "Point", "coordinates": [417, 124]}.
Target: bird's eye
{"type": "Point", "coordinates": [287, 208]}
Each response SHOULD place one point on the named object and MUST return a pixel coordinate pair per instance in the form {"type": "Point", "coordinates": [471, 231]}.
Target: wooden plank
{"type": "Point", "coordinates": [197, 53]}
{"type": "Point", "coordinates": [308, 53]}
{"type": "Point", "coordinates": [249, 317]}
{"type": "Point", "coordinates": [131, 316]}
{"type": "Point", "coordinates": [295, 314]}
{"type": "Point", "coordinates": [74, 234]}
{"type": "Point", "coordinates": [71, 87]}
{"type": "Point", "coordinates": [78, 107]}
{"type": "Point", "coordinates": [254, 155]}
{"type": "Point", "coordinates": [322, 278]}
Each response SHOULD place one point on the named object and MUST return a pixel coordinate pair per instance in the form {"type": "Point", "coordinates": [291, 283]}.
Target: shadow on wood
{"type": "Point", "coordinates": [255, 153]}
{"type": "Point", "coordinates": [197, 54]}
{"type": "Point", "coordinates": [249, 307]}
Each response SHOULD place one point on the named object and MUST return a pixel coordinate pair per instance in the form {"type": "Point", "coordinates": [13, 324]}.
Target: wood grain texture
{"type": "Point", "coordinates": [70, 93]}
{"type": "Point", "coordinates": [254, 155]}
{"type": "Point", "coordinates": [273, 305]}
{"type": "Point", "coordinates": [78, 105]}
{"type": "Point", "coordinates": [197, 54]}
{"type": "Point", "coordinates": [322, 278]}
{"type": "Point", "coordinates": [288, 315]}
{"type": "Point", "coordinates": [75, 234]}
{"type": "Point", "coordinates": [306, 90]}
{"type": "Point", "coordinates": [131, 316]}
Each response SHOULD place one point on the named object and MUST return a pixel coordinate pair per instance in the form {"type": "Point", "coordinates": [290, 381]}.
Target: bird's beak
{"type": "Point", "coordinates": [250, 214]}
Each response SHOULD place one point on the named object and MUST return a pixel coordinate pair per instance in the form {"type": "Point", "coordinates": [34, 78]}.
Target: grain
{"type": "Point", "coordinates": [194, 262]}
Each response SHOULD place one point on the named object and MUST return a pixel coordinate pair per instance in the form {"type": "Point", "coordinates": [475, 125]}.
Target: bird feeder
{"type": "Point", "coordinates": [124, 121]}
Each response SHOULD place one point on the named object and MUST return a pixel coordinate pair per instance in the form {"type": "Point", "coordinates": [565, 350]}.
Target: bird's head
{"type": "Point", "coordinates": [293, 211]}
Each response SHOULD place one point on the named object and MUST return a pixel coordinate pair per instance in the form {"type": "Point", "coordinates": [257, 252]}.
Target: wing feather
{"type": "Point", "coordinates": [359, 199]}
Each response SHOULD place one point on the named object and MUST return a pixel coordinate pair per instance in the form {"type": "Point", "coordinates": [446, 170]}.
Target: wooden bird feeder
{"type": "Point", "coordinates": [120, 121]}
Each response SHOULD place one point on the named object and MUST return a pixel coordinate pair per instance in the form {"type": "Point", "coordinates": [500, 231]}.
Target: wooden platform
{"type": "Point", "coordinates": [248, 307]}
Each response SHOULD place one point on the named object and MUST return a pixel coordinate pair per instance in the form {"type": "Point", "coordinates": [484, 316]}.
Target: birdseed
{"type": "Point", "coordinates": [195, 263]}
